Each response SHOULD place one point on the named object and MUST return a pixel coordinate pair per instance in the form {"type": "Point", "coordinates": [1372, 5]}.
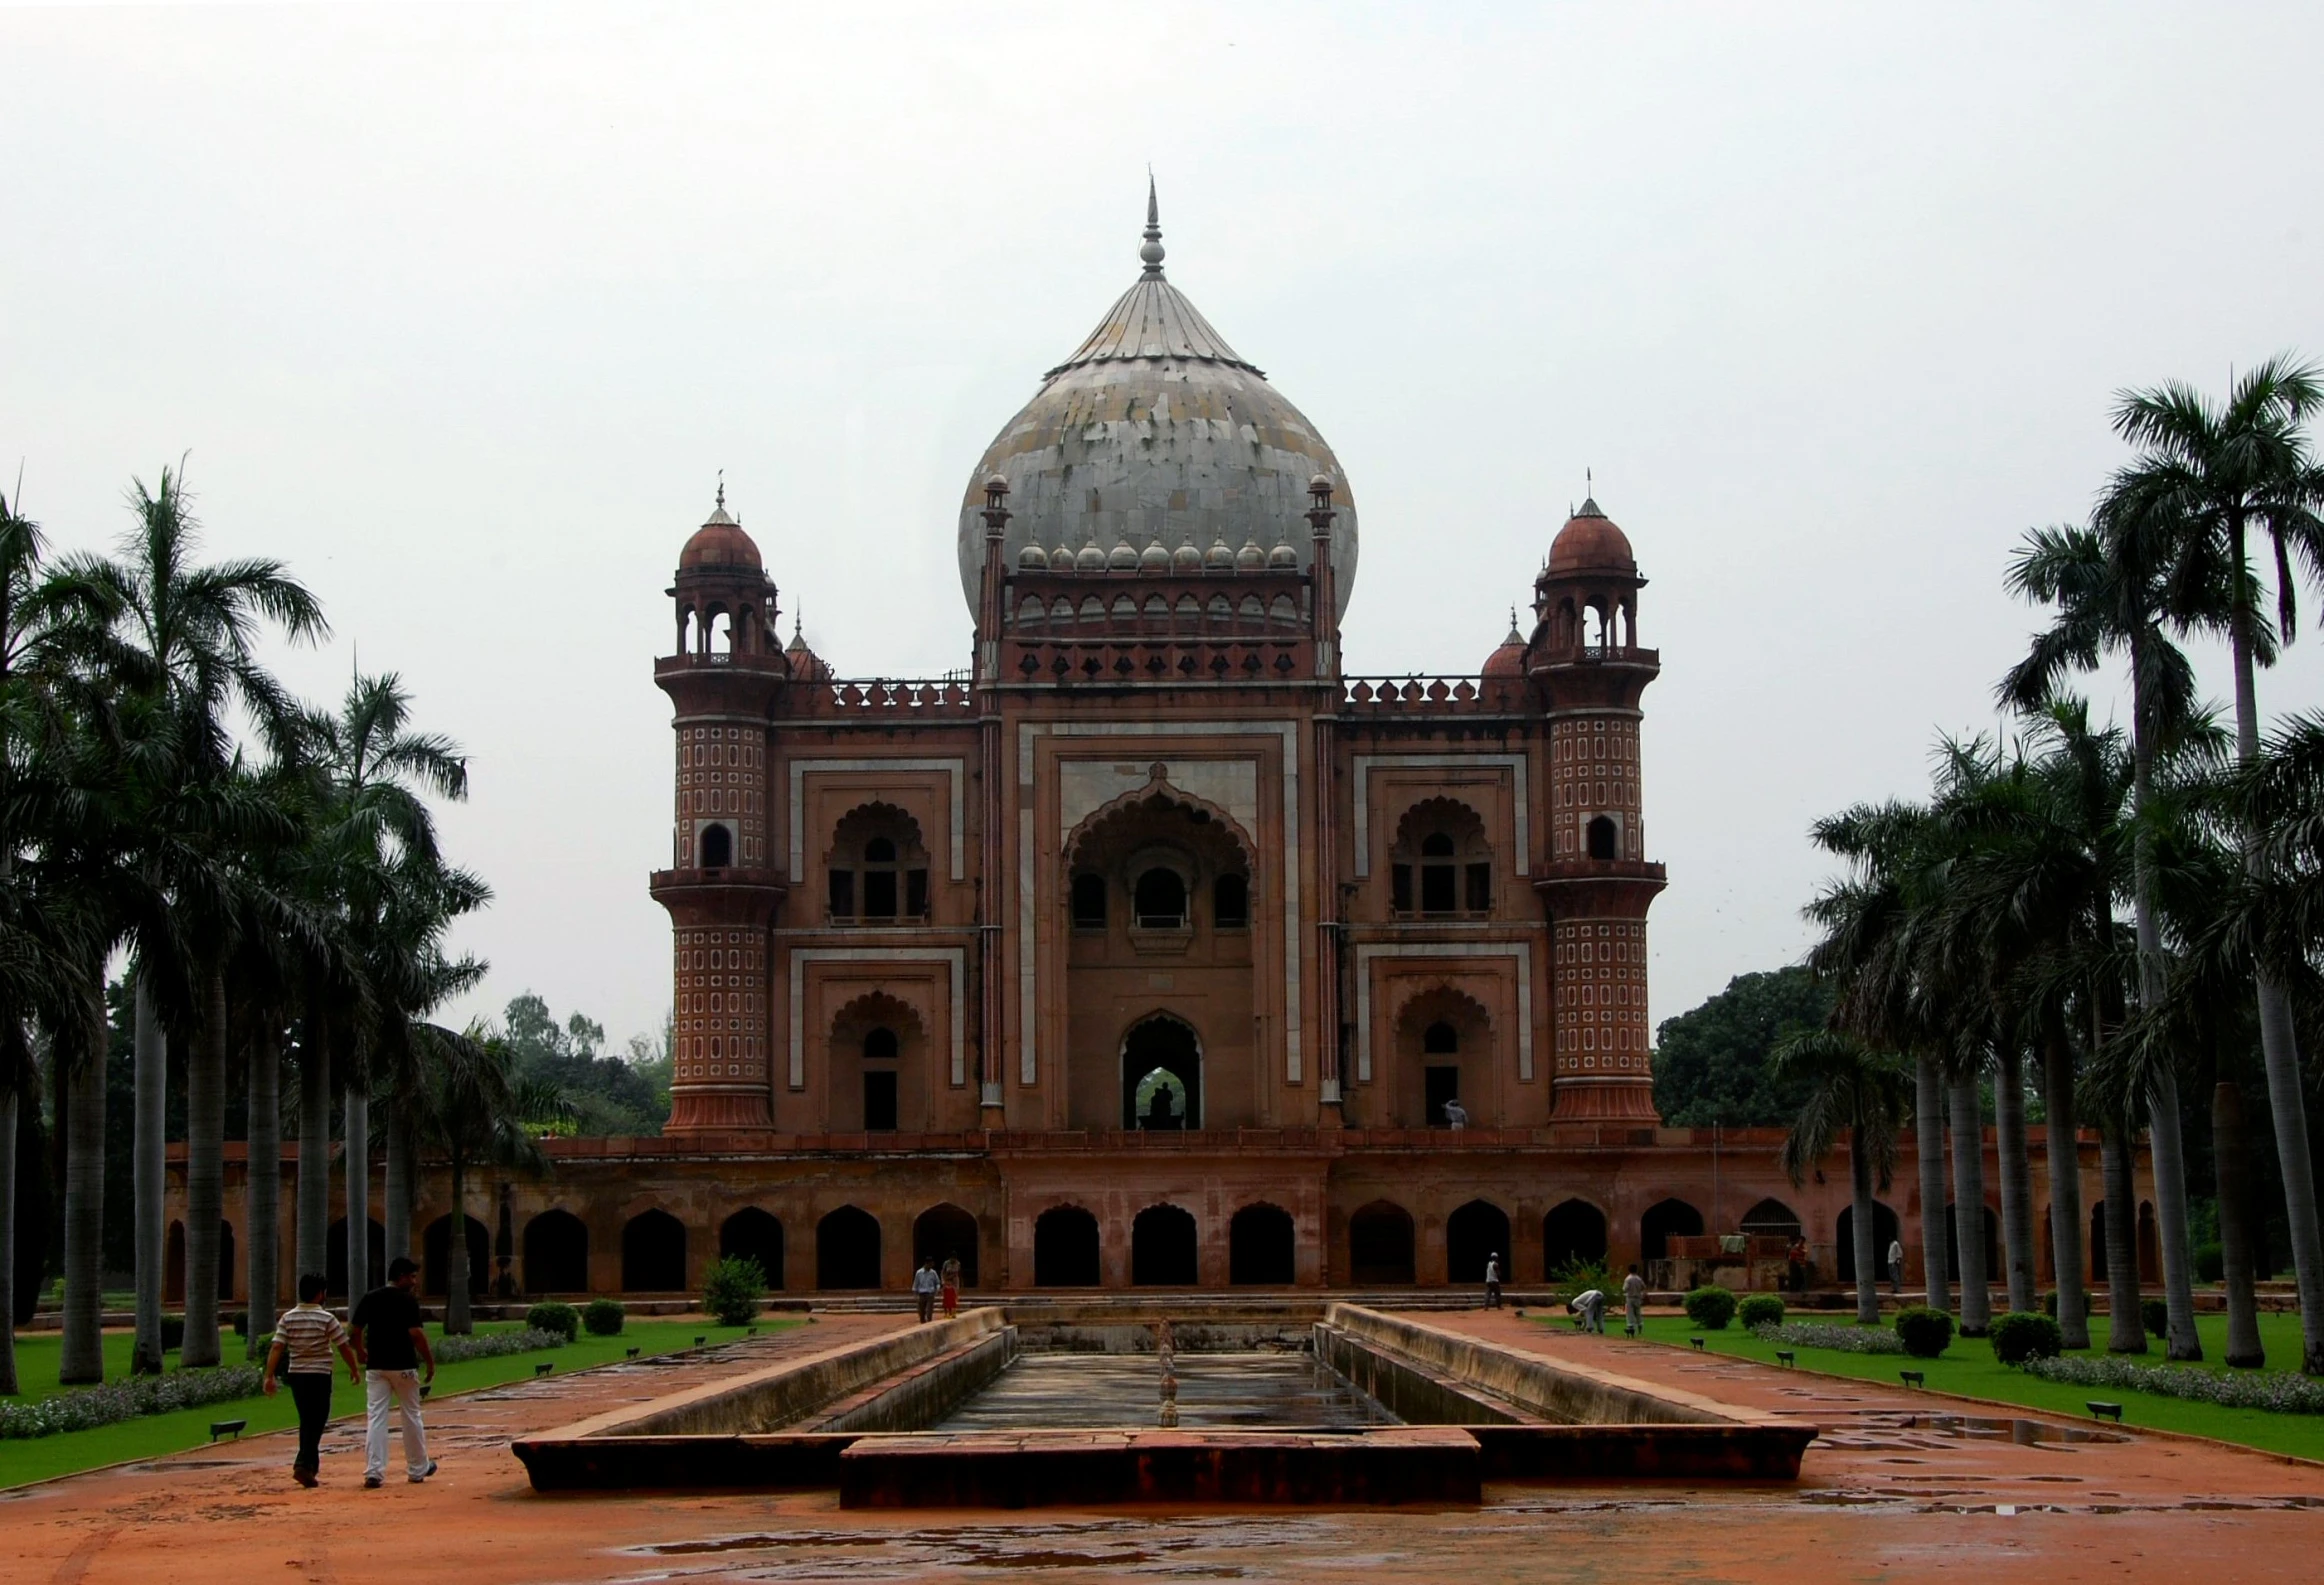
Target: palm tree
{"type": "Point", "coordinates": [187, 641]}
{"type": "Point", "coordinates": [1851, 1087]}
{"type": "Point", "coordinates": [2219, 473]}
{"type": "Point", "coordinates": [2111, 595]}
{"type": "Point", "coordinates": [376, 857]}
{"type": "Point", "coordinates": [474, 1109]}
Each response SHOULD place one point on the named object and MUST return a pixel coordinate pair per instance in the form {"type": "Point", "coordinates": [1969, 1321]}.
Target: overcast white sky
{"type": "Point", "coordinates": [460, 308]}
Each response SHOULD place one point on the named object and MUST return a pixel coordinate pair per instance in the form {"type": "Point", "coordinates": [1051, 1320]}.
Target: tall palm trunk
{"type": "Point", "coordinates": [147, 1166]}
{"type": "Point", "coordinates": [314, 1218]}
{"type": "Point", "coordinates": [1860, 1231]}
{"type": "Point", "coordinates": [205, 1173]}
{"type": "Point", "coordinates": [2165, 1132]}
{"type": "Point", "coordinates": [2125, 1326]}
{"type": "Point", "coordinates": [395, 1207]}
{"type": "Point", "coordinates": [262, 1193]}
{"type": "Point", "coordinates": [357, 1111]}
{"type": "Point", "coordinates": [2279, 1046]}
{"type": "Point", "coordinates": [1929, 1130]}
{"type": "Point", "coordinates": [2017, 1239]}
{"type": "Point", "coordinates": [82, 1356]}
{"type": "Point", "coordinates": [2232, 1169]}
{"type": "Point", "coordinates": [459, 1259]}
{"type": "Point", "coordinates": [8, 1104]}
{"type": "Point", "coordinates": [1969, 1203]}
{"type": "Point", "coordinates": [2065, 1164]}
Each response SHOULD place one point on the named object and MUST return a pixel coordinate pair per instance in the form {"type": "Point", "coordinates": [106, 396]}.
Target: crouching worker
{"type": "Point", "coordinates": [303, 1340]}
{"type": "Point", "coordinates": [1589, 1310]}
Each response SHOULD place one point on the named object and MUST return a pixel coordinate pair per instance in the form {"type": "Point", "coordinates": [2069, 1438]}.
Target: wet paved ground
{"type": "Point", "coordinates": [1252, 1391]}
{"type": "Point", "coordinates": [1882, 1498]}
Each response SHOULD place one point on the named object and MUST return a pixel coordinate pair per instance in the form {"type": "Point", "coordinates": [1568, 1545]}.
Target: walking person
{"type": "Point", "coordinates": [391, 1344]}
{"type": "Point", "coordinates": [1493, 1280]}
{"type": "Point", "coordinates": [924, 1286]}
{"type": "Point", "coordinates": [951, 1276]}
{"type": "Point", "coordinates": [1634, 1303]}
{"type": "Point", "coordinates": [1896, 1268]}
{"type": "Point", "coordinates": [303, 1341]}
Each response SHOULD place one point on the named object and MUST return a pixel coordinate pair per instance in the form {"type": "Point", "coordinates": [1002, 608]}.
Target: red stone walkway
{"type": "Point", "coordinates": [1876, 1502]}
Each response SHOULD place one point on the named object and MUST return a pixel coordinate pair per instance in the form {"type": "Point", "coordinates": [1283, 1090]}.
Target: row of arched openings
{"type": "Point", "coordinates": [1164, 1248]}
{"type": "Point", "coordinates": [848, 1249]}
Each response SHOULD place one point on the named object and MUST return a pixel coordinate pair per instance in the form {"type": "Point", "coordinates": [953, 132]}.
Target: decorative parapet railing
{"type": "Point", "coordinates": [1382, 695]}
{"type": "Point", "coordinates": [926, 698]}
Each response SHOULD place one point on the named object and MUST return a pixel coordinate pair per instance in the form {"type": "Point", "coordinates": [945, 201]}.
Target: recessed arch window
{"type": "Point", "coordinates": [879, 870]}
{"type": "Point", "coordinates": [1230, 903]}
{"type": "Point", "coordinates": [1089, 902]}
{"type": "Point", "coordinates": [717, 846]}
{"type": "Point", "coordinates": [1440, 1039]}
{"type": "Point", "coordinates": [1158, 901]}
{"type": "Point", "coordinates": [1441, 865]}
{"type": "Point", "coordinates": [1604, 837]}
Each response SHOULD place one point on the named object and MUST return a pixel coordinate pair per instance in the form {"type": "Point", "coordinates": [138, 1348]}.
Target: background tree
{"type": "Point", "coordinates": [1715, 1062]}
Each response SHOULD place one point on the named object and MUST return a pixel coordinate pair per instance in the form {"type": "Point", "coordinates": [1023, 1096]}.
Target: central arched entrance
{"type": "Point", "coordinates": [1161, 1075]}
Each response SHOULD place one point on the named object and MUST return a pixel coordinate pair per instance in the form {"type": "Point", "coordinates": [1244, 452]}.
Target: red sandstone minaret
{"type": "Point", "coordinates": [1597, 885]}
{"type": "Point", "coordinates": [722, 890]}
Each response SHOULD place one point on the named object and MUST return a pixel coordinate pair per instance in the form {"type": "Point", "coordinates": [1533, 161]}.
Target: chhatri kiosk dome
{"type": "Point", "coordinates": [1156, 432]}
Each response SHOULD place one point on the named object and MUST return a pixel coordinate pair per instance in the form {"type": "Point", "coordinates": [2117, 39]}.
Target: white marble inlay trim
{"type": "Point", "coordinates": [1512, 763]}
{"type": "Point", "coordinates": [1522, 951]}
{"type": "Point", "coordinates": [956, 768]}
{"type": "Point", "coordinates": [1288, 731]}
{"type": "Point", "coordinates": [957, 957]}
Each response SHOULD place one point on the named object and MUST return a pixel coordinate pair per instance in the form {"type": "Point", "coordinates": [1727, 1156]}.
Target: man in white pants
{"type": "Point", "coordinates": [391, 1343]}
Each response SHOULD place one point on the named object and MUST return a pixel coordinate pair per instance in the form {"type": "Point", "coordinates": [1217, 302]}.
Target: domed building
{"type": "Point", "coordinates": [1158, 946]}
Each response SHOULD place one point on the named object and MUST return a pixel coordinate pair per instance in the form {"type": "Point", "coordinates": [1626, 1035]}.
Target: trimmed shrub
{"type": "Point", "coordinates": [2210, 1263]}
{"type": "Point", "coordinates": [603, 1317]}
{"type": "Point", "coordinates": [173, 1332]}
{"type": "Point", "coordinates": [1758, 1310]}
{"type": "Point", "coordinates": [2050, 1304]}
{"type": "Point", "coordinates": [2157, 1316]}
{"type": "Point", "coordinates": [1926, 1333]}
{"type": "Point", "coordinates": [554, 1315]}
{"type": "Point", "coordinates": [241, 1323]}
{"type": "Point", "coordinates": [731, 1289]}
{"type": "Point", "coordinates": [2022, 1335]}
{"type": "Point", "coordinates": [1710, 1308]}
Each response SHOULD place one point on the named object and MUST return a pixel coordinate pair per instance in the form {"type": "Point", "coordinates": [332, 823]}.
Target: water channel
{"type": "Point", "coordinates": [1242, 1391]}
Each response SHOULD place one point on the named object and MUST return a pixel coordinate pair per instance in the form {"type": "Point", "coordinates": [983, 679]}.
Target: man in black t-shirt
{"type": "Point", "coordinates": [391, 1343]}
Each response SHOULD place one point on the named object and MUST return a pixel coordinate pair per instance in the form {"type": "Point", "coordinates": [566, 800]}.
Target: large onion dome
{"type": "Point", "coordinates": [1156, 430]}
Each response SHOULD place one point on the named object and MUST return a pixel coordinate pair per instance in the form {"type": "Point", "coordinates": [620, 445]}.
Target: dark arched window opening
{"type": "Point", "coordinates": [1065, 1248]}
{"type": "Point", "coordinates": [753, 1234]}
{"type": "Point", "coordinates": [1261, 1247]}
{"type": "Point", "coordinates": [1472, 1235]}
{"type": "Point", "coordinates": [1161, 1076]}
{"type": "Point", "coordinates": [436, 1257]}
{"type": "Point", "coordinates": [1664, 1221]}
{"type": "Point", "coordinates": [1574, 1230]}
{"type": "Point", "coordinates": [1380, 1246]}
{"type": "Point", "coordinates": [1162, 1242]}
{"type": "Point", "coordinates": [1440, 1039]}
{"type": "Point", "coordinates": [880, 1085]}
{"type": "Point", "coordinates": [847, 1249]}
{"type": "Point", "coordinates": [1884, 1233]}
{"type": "Point", "coordinates": [1089, 902]}
{"type": "Point", "coordinates": [717, 847]}
{"type": "Point", "coordinates": [946, 1232]}
{"type": "Point", "coordinates": [556, 1254]}
{"type": "Point", "coordinates": [1993, 1256]}
{"type": "Point", "coordinates": [1444, 841]}
{"type": "Point", "coordinates": [1159, 901]}
{"type": "Point", "coordinates": [1438, 894]}
{"type": "Point", "coordinates": [335, 1256]}
{"type": "Point", "coordinates": [653, 1253]}
{"type": "Point", "coordinates": [1230, 907]}
{"type": "Point", "coordinates": [1771, 1219]}
{"type": "Point", "coordinates": [1603, 838]}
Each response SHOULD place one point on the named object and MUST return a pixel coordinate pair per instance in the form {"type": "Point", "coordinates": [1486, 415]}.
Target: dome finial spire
{"type": "Point", "coordinates": [722, 489]}
{"type": "Point", "coordinates": [1152, 251]}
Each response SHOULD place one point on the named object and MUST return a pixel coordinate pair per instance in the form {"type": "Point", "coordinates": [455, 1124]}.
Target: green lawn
{"type": "Point", "coordinates": [150, 1436]}
{"type": "Point", "coordinates": [1968, 1367]}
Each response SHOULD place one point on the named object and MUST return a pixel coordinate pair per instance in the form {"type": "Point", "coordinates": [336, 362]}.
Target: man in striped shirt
{"type": "Point", "coordinates": [304, 1337]}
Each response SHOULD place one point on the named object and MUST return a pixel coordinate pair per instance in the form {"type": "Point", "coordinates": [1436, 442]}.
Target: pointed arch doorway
{"type": "Point", "coordinates": [1161, 1075]}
